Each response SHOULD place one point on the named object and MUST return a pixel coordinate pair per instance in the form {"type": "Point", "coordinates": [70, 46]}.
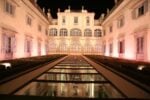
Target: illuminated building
{"type": "Point", "coordinates": [75, 32]}
{"type": "Point", "coordinates": [126, 30]}
{"type": "Point", "coordinates": [23, 29]}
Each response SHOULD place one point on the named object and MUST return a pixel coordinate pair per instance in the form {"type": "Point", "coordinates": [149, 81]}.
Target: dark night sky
{"type": "Point", "coordinates": [97, 6]}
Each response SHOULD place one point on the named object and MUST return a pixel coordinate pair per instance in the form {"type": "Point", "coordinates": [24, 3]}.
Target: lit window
{"type": "Point", "coordinates": [9, 8]}
{"type": "Point", "coordinates": [140, 45]}
{"type": "Point", "coordinates": [97, 33]}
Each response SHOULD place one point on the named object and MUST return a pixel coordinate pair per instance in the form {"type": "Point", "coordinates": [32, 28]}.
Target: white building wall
{"type": "Point", "coordinates": [18, 24]}
{"type": "Point", "coordinates": [81, 41]}
{"type": "Point", "coordinates": [128, 31]}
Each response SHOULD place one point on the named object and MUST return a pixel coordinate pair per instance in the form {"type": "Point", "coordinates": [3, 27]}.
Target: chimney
{"type": "Point", "coordinates": [35, 1]}
{"type": "Point", "coordinates": [108, 11]}
{"type": "Point", "coordinates": [102, 16]}
{"type": "Point", "coordinates": [58, 10]}
{"type": "Point", "coordinates": [69, 7]}
{"type": "Point", "coordinates": [116, 1]}
{"type": "Point", "coordinates": [82, 7]}
{"type": "Point", "coordinates": [49, 14]}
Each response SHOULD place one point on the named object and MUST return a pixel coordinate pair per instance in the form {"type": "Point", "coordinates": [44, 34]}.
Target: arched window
{"type": "Point", "coordinates": [63, 32]}
{"type": "Point", "coordinates": [75, 32]}
{"type": "Point", "coordinates": [97, 33]}
{"type": "Point", "coordinates": [53, 32]}
{"type": "Point", "coordinates": [88, 32]}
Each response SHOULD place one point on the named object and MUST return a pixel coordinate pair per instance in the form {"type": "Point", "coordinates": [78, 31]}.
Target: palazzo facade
{"type": "Point", "coordinates": [75, 32]}
{"type": "Point", "coordinates": [23, 28]}
{"type": "Point", "coordinates": [124, 32]}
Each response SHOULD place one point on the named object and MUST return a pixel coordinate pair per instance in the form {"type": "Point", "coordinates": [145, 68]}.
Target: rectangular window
{"type": "Point", "coordinates": [104, 48]}
{"type": "Point", "coordinates": [110, 48]}
{"type": "Point", "coordinates": [63, 20]}
{"type": "Point", "coordinates": [8, 45]}
{"type": "Point", "coordinates": [53, 32]}
{"type": "Point", "coordinates": [39, 28]}
{"type": "Point", "coordinates": [110, 29]}
{"type": "Point", "coordinates": [28, 45]}
{"type": "Point", "coordinates": [39, 48]}
{"type": "Point", "coordinates": [120, 22]}
{"type": "Point", "coordinates": [140, 10]}
{"type": "Point", "coordinates": [29, 21]}
{"type": "Point", "coordinates": [87, 21]}
{"type": "Point", "coordinates": [121, 47]}
{"type": "Point", "coordinates": [75, 20]}
{"type": "Point", "coordinates": [140, 45]}
{"type": "Point", "coordinates": [9, 8]}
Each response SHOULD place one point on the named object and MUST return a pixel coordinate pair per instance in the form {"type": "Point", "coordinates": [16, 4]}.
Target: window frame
{"type": "Point", "coordinates": [53, 32]}
{"type": "Point", "coordinates": [140, 45]}
{"type": "Point", "coordinates": [63, 20]}
{"type": "Point", "coordinates": [76, 20]}
{"type": "Point", "coordinates": [110, 28]}
{"type": "Point", "coordinates": [87, 20]}
{"type": "Point", "coordinates": [28, 45]}
{"type": "Point", "coordinates": [75, 32]}
{"type": "Point", "coordinates": [121, 46]}
{"type": "Point", "coordinates": [39, 28]}
{"type": "Point", "coordinates": [137, 11]}
{"type": "Point", "coordinates": [121, 22]}
{"type": "Point", "coordinates": [96, 31]}
{"type": "Point", "coordinates": [140, 10]}
{"type": "Point", "coordinates": [88, 32]}
{"type": "Point", "coordinates": [110, 48]}
{"type": "Point", "coordinates": [9, 8]}
{"type": "Point", "coordinates": [29, 20]}
{"type": "Point", "coordinates": [63, 32]}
